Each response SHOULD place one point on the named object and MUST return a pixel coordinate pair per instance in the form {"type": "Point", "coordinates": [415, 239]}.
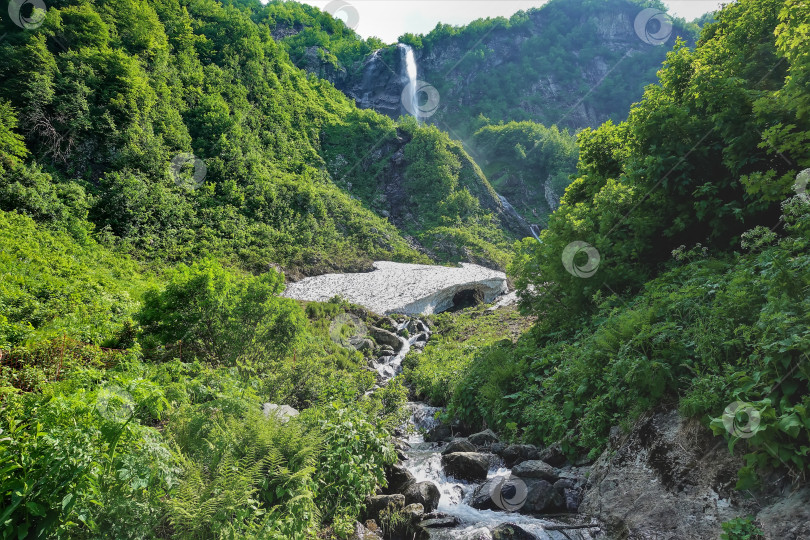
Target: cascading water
{"type": "Point", "coordinates": [423, 461]}
{"type": "Point", "coordinates": [411, 72]}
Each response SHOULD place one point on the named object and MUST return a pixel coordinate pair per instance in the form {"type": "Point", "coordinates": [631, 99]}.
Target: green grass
{"type": "Point", "coordinates": [52, 285]}
{"type": "Point", "coordinates": [458, 338]}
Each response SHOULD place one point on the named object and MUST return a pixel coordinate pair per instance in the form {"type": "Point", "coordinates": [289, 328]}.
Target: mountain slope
{"type": "Point", "coordinates": [183, 129]}
{"type": "Point", "coordinates": [573, 63]}
{"type": "Point", "coordinates": [570, 63]}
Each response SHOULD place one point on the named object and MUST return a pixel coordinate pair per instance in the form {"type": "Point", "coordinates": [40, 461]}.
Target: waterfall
{"type": "Point", "coordinates": [412, 105]}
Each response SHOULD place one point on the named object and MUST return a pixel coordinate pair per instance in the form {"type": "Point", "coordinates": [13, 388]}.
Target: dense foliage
{"type": "Point", "coordinates": [698, 297]}
{"type": "Point", "coordinates": [182, 129]}
{"type": "Point", "coordinates": [706, 155]}
{"type": "Point", "coordinates": [527, 163]}
{"type": "Point", "coordinates": [172, 442]}
{"type": "Point", "coordinates": [302, 28]}
{"type": "Point", "coordinates": [142, 329]}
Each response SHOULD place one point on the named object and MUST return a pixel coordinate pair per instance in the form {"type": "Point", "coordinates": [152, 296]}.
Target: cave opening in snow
{"type": "Point", "coordinates": [466, 298]}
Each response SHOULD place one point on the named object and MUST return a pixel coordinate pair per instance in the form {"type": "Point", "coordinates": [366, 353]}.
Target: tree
{"type": "Point", "coordinates": [221, 317]}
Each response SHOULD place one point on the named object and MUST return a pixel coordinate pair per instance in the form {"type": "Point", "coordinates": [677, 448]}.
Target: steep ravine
{"type": "Point", "coordinates": [668, 478]}
{"type": "Point", "coordinates": [471, 488]}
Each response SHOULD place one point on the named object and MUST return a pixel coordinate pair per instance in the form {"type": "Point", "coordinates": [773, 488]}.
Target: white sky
{"type": "Point", "coordinates": [389, 19]}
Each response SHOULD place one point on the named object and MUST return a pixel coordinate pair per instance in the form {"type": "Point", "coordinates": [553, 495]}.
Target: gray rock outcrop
{"type": "Point", "coordinates": [670, 478]}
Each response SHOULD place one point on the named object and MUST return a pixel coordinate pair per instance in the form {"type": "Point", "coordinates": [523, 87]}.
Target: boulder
{"type": "Point", "coordinates": [365, 345]}
{"type": "Point", "coordinates": [518, 453]}
{"type": "Point", "coordinates": [501, 494]}
{"type": "Point", "coordinates": [407, 526]}
{"type": "Point", "coordinates": [399, 479]}
{"type": "Point", "coordinates": [384, 337]}
{"type": "Point", "coordinates": [553, 455]}
{"type": "Point", "coordinates": [510, 531]}
{"type": "Point", "coordinates": [361, 532]}
{"type": "Point", "coordinates": [570, 493]}
{"type": "Point", "coordinates": [484, 438]}
{"type": "Point", "coordinates": [459, 445]}
{"type": "Point", "coordinates": [425, 493]}
{"type": "Point", "coordinates": [387, 323]}
{"type": "Point", "coordinates": [281, 412]}
{"type": "Point", "coordinates": [482, 496]}
{"type": "Point", "coordinates": [471, 466]}
{"type": "Point", "coordinates": [377, 503]}
{"type": "Point", "coordinates": [541, 497]}
{"type": "Point", "coordinates": [439, 433]}
{"type": "Point", "coordinates": [413, 513]}
{"type": "Point", "coordinates": [536, 468]}
{"type": "Point", "coordinates": [527, 496]}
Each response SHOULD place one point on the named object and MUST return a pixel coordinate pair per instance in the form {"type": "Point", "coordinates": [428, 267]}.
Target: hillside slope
{"type": "Point", "coordinates": [181, 129]}
{"type": "Point", "coordinates": [573, 63]}
{"type": "Point", "coordinates": [570, 63]}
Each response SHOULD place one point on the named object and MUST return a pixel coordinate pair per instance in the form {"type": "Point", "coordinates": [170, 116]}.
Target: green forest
{"type": "Point", "coordinates": [165, 170]}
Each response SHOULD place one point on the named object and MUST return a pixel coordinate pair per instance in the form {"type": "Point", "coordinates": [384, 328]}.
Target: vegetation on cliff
{"type": "Point", "coordinates": [700, 230]}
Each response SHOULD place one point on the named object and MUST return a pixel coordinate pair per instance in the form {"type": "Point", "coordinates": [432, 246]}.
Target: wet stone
{"type": "Point", "coordinates": [439, 523]}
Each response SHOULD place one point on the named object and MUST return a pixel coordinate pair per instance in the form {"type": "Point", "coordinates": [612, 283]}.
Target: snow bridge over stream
{"type": "Point", "coordinates": [412, 289]}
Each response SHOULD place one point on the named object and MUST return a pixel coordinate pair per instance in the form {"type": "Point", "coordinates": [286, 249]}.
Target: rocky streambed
{"type": "Point", "coordinates": [474, 487]}
{"type": "Point", "coordinates": [666, 478]}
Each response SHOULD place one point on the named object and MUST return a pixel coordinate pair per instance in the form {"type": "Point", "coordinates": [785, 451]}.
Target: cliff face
{"type": "Point", "coordinates": [571, 63]}
{"type": "Point", "coordinates": [568, 63]}
{"type": "Point", "coordinates": [669, 479]}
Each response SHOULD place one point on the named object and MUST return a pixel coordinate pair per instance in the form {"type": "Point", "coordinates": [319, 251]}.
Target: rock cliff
{"type": "Point", "coordinates": [569, 63]}
{"type": "Point", "coordinates": [671, 479]}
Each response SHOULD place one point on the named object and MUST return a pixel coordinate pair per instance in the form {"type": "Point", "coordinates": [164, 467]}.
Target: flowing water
{"type": "Point", "coordinates": [423, 460]}
{"type": "Point", "coordinates": [389, 367]}
{"type": "Point", "coordinates": [411, 73]}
